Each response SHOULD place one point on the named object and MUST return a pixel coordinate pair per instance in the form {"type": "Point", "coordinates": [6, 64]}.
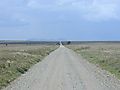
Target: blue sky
{"type": "Point", "coordinates": [60, 19]}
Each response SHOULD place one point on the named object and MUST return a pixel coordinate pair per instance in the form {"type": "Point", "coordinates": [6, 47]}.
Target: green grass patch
{"type": "Point", "coordinates": [106, 56]}
{"type": "Point", "coordinates": [17, 61]}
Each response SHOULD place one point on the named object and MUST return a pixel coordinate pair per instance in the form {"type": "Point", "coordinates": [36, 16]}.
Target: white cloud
{"type": "Point", "coordinates": [64, 2]}
{"type": "Point", "coordinates": [99, 9]}
{"type": "Point", "coordinates": [41, 4]}
{"type": "Point", "coordinates": [94, 10]}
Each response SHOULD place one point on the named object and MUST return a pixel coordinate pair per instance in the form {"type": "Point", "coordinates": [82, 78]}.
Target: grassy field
{"type": "Point", "coordinates": [104, 55]}
{"type": "Point", "coordinates": [17, 59]}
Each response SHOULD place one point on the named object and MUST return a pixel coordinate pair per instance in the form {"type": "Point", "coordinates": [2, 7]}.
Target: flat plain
{"type": "Point", "coordinates": [63, 69]}
{"type": "Point", "coordinates": [16, 59]}
{"type": "Point", "coordinates": [104, 55]}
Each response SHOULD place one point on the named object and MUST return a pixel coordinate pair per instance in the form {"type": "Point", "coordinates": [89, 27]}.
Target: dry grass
{"type": "Point", "coordinates": [17, 59]}
{"type": "Point", "coordinates": [107, 56]}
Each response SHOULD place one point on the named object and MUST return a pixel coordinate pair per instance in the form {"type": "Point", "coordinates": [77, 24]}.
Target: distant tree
{"type": "Point", "coordinates": [69, 42]}
{"type": "Point", "coordinates": [58, 43]}
{"type": "Point", "coordinates": [6, 44]}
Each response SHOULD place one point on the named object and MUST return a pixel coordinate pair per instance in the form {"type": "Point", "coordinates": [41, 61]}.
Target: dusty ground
{"type": "Point", "coordinates": [65, 70]}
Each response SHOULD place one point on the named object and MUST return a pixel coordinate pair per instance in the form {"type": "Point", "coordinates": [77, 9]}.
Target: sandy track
{"type": "Point", "coordinates": [65, 70]}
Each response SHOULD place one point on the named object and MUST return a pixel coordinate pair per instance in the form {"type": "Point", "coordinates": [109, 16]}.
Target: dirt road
{"type": "Point", "coordinates": [65, 70]}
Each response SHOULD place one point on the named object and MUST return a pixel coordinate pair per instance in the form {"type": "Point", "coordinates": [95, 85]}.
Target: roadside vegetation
{"type": "Point", "coordinates": [17, 59]}
{"type": "Point", "coordinates": [106, 56]}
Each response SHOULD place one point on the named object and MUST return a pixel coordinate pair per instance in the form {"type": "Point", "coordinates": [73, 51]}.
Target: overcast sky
{"type": "Point", "coordinates": [60, 19]}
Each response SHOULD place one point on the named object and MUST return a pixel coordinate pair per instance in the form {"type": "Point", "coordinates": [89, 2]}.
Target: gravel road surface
{"type": "Point", "coordinates": [63, 69]}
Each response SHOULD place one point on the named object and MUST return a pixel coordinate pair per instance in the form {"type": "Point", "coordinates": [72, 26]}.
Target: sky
{"type": "Point", "coordinates": [60, 20]}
